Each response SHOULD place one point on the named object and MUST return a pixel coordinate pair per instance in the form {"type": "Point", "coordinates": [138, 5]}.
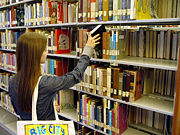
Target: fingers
{"type": "Point", "coordinates": [96, 36]}
{"type": "Point", "coordinates": [96, 43]}
{"type": "Point", "coordinates": [97, 39]}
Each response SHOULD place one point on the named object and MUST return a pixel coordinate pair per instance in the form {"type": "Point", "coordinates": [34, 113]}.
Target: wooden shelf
{"type": "Point", "coordinates": [8, 50]}
{"type": "Point", "coordinates": [145, 102]}
{"type": "Point", "coordinates": [7, 122]}
{"type": "Point", "coordinates": [128, 60]}
{"type": "Point", "coordinates": [145, 128]}
{"type": "Point", "coordinates": [71, 115]}
{"type": "Point", "coordinates": [168, 98]}
{"type": "Point", "coordinates": [14, 72]}
{"type": "Point", "coordinates": [170, 21]}
{"type": "Point", "coordinates": [13, 28]}
{"type": "Point", "coordinates": [65, 55]}
{"type": "Point", "coordinates": [143, 62]}
{"type": "Point", "coordinates": [10, 111]}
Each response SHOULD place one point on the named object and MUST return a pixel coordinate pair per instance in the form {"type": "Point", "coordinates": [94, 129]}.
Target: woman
{"type": "Point", "coordinates": [30, 53]}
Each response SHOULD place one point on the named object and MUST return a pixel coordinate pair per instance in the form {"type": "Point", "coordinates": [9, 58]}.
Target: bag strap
{"type": "Point", "coordinates": [34, 103]}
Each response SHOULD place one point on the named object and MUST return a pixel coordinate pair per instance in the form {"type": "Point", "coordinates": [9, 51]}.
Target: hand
{"type": "Point", "coordinates": [92, 41]}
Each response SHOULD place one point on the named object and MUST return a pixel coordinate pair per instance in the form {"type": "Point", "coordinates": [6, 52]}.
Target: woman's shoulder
{"type": "Point", "coordinates": [12, 79]}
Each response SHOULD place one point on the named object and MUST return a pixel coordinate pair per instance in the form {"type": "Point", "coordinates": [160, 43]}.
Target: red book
{"type": "Point", "coordinates": [61, 68]}
{"type": "Point", "coordinates": [139, 84]}
{"type": "Point", "coordinates": [118, 117]}
{"type": "Point", "coordinates": [62, 41]}
{"type": "Point", "coordinates": [13, 17]}
{"type": "Point", "coordinates": [113, 125]}
{"type": "Point", "coordinates": [124, 118]}
{"type": "Point", "coordinates": [60, 12]}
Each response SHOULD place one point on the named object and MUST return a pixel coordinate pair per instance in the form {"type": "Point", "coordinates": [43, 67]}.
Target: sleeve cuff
{"type": "Point", "coordinates": [88, 50]}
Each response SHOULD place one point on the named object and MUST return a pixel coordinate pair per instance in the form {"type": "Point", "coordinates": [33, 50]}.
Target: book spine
{"type": "Point", "coordinates": [124, 9]}
{"type": "Point", "coordinates": [100, 10]}
{"type": "Point", "coordinates": [105, 10]}
{"type": "Point", "coordinates": [110, 18]}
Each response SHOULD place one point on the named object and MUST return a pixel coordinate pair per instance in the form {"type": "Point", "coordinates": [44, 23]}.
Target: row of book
{"type": "Point", "coordinates": [102, 114]}
{"type": "Point", "coordinates": [4, 77]}
{"type": "Point", "coordinates": [13, 17]}
{"type": "Point", "coordinates": [7, 61]}
{"type": "Point", "coordinates": [140, 42]}
{"type": "Point", "coordinates": [50, 12]}
{"type": "Point", "coordinates": [158, 81]}
{"type": "Point", "coordinates": [6, 101]}
{"type": "Point", "coordinates": [108, 10]}
{"type": "Point", "coordinates": [9, 38]}
{"type": "Point", "coordinates": [155, 120]}
{"type": "Point", "coordinates": [56, 12]}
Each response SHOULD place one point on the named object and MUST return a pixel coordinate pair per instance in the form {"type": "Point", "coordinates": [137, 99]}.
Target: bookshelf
{"type": "Point", "coordinates": [161, 104]}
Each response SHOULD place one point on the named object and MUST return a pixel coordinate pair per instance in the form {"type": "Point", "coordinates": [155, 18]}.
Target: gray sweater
{"type": "Point", "coordinates": [48, 86]}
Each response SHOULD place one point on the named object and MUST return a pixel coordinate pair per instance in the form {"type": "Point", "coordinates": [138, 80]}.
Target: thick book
{"type": "Point", "coordinates": [99, 29]}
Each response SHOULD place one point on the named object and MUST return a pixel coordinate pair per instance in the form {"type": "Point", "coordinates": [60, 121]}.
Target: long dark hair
{"type": "Point", "coordinates": [30, 47]}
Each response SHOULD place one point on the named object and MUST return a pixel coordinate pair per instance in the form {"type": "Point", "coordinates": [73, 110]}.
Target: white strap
{"type": "Point", "coordinates": [55, 112]}
{"type": "Point", "coordinates": [34, 103]}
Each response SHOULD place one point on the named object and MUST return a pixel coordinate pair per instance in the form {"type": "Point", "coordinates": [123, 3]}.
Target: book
{"type": "Point", "coordinates": [99, 29]}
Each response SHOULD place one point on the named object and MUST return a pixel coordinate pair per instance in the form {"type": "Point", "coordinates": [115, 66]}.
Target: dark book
{"type": "Point", "coordinates": [124, 86]}
{"type": "Point", "coordinates": [99, 29]}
